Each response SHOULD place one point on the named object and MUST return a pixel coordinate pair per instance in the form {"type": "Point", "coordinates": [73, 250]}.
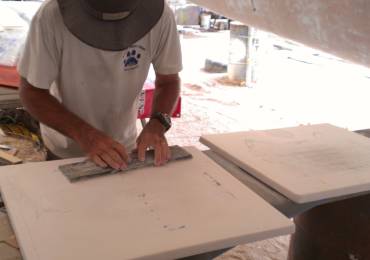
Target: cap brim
{"type": "Point", "coordinates": [110, 35]}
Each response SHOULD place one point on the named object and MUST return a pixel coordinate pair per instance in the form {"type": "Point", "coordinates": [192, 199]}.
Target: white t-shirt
{"type": "Point", "coordinates": [101, 87]}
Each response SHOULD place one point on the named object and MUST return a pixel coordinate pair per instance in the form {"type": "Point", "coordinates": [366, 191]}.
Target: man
{"type": "Point", "coordinates": [83, 67]}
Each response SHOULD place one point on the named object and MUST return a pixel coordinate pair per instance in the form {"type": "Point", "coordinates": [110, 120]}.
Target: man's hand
{"type": "Point", "coordinates": [103, 150]}
{"type": "Point", "coordinates": [152, 136]}
{"type": "Point", "coordinates": [166, 94]}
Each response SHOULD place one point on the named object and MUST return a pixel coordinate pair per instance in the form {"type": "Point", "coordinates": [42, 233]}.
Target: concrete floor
{"type": "Point", "coordinates": [296, 85]}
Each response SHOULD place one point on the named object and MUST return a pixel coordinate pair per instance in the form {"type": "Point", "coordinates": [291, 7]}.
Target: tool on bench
{"type": "Point", "coordinates": [87, 169]}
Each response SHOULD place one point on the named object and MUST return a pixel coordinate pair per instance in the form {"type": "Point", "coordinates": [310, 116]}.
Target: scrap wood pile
{"type": "Point", "coordinates": [19, 138]}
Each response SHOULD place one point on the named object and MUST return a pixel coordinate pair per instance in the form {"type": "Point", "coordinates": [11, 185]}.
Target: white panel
{"type": "Point", "coordinates": [305, 163]}
{"type": "Point", "coordinates": [181, 209]}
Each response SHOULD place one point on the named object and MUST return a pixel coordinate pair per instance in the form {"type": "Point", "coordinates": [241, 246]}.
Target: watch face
{"type": "Point", "coordinates": [165, 119]}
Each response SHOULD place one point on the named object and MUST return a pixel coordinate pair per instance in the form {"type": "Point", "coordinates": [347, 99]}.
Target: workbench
{"type": "Point", "coordinates": [336, 228]}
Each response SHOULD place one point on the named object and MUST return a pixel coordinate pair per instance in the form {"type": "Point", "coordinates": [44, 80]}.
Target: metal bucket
{"type": "Point", "coordinates": [205, 20]}
{"type": "Point", "coordinates": [238, 52]}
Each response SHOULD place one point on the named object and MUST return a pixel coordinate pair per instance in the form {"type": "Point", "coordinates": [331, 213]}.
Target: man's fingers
{"type": "Point", "coordinates": [110, 161]}
{"type": "Point", "coordinates": [161, 150]}
{"type": "Point", "coordinates": [96, 159]}
{"type": "Point", "coordinates": [141, 149]}
{"type": "Point", "coordinates": [117, 158]}
{"type": "Point", "coordinates": [122, 152]}
{"type": "Point", "coordinates": [158, 155]}
{"type": "Point", "coordinates": [165, 150]}
{"type": "Point", "coordinates": [168, 152]}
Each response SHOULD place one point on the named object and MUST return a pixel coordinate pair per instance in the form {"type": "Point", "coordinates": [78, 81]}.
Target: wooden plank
{"type": "Point", "coordinates": [9, 98]}
{"type": "Point", "coordinates": [181, 209]}
{"type": "Point", "coordinates": [306, 163]}
{"type": "Point", "coordinates": [8, 91]}
{"type": "Point", "coordinates": [9, 158]}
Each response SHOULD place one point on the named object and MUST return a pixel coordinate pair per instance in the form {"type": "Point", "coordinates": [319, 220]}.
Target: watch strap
{"type": "Point", "coordinates": [163, 118]}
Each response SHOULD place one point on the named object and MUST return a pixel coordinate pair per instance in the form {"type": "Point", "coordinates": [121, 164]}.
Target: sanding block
{"type": "Point", "coordinates": [88, 169]}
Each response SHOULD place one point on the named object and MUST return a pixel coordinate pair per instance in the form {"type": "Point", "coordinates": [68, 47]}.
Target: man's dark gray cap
{"type": "Point", "coordinates": [111, 25]}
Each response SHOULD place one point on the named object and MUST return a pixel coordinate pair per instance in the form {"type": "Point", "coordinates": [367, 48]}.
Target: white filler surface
{"type": "Point", "coordinates": [305, 163]}
{"type": "Point", "coordinates": [181, 209]}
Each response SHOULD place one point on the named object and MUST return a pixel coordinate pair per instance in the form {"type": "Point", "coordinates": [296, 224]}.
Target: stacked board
{"type": "Point", "coordinates": [181, 209]}
{"type": "Point", "coordinates": [305, 163]}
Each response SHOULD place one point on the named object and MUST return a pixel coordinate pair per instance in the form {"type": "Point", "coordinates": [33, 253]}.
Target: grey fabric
{"type": "Point", "coordinates": [110, 35]}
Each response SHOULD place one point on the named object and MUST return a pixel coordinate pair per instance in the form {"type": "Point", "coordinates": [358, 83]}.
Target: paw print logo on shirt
{"type": "Point", "coordinates": [131, 59]}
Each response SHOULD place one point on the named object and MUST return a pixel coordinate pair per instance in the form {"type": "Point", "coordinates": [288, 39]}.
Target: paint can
{"type": "Point", "coordinates": [238, 51]}
{"type": "Point", "coordinates": [221, 24]}
{"type": "Point", "coordinates": [205, 20]}
{"type": "Point", "coordinates": [335, 231]}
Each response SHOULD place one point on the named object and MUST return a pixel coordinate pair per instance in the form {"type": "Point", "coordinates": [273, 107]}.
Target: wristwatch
{"type": "Point", "coordinates": [163, 118]}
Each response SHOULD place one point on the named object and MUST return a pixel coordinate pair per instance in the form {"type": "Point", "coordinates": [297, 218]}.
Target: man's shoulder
{"type": "Point", "coordinates": [167, 13]}
{"type": "Point", "coordinates": [48, 11]}
{"type": "Point", "coordinates": [166, 19]}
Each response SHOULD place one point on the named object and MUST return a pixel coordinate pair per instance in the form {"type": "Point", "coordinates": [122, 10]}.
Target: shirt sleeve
{"type": "Point", "coordinates": [167, 57]}
{"type": "Point", "coordinates": [39, 60]}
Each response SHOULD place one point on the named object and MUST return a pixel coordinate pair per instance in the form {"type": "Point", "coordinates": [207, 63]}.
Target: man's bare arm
{"type": "Point", "coordinates": [166, 95]}
{"type": "Point", "coordinates": [102, 149]}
